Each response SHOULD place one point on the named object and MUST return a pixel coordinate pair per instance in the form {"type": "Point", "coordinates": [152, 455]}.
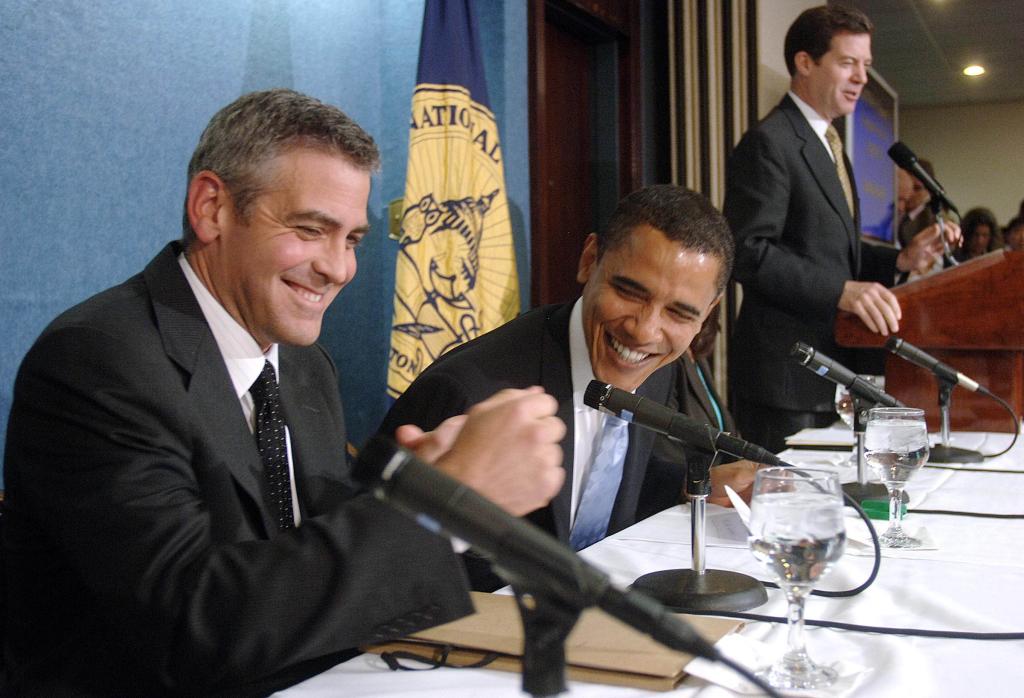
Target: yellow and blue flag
{"type": "Point", "coordinates": [455, 277]}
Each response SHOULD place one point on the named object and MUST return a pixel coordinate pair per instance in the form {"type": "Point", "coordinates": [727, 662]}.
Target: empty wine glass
{"type": "Point", "coordinates": [797, 533]}
{"type": "Point", "coordinates": [896, 446]}
{"type": "Point", "coordinates": [844, 406]}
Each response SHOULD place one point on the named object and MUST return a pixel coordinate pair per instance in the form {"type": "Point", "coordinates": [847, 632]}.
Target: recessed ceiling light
{"type": "Point", "coordinates": [974, 71]}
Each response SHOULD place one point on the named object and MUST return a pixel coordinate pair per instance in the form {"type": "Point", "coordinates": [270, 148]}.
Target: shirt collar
{"type": "Point", "coordinates": [242, 355]}
{"type": "Point", "coordinates": [579, 356]}
{"type": "Point", "coordinates": [817, 122]}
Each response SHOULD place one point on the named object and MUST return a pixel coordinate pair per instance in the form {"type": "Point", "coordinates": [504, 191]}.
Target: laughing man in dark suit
{"type": "Point", "coordinates": [650, 278]}
{"type": "Point", "coordinates": [147, 551]}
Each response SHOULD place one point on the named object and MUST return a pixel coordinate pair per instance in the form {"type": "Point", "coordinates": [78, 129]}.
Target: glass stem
{"type": "Point", "coordinates": [796, 596]}
{"type": "Point", "coordinates": [895, 509]}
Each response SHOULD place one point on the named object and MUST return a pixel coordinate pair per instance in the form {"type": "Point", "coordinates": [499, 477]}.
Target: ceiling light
{"type": "Point", "coordinates": [974, 71]}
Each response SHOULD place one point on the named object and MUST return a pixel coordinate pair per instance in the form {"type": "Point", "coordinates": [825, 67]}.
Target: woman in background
{"type": "Point", "coordinates": [981, 234]}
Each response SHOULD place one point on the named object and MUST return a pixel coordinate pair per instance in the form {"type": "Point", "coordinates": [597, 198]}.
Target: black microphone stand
{"type": "Point", "coordinates": [862, 489]}
{"type": "Point", "coordinates": [944, 452]}
{"type": "Point", "coordinates": [547, 621]}
{"type": "Point", "coordinates": [701, 589]}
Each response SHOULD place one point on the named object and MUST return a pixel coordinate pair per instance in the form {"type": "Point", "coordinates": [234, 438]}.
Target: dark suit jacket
{"type": "Point", "coordinates": [141, 554]}
{"type": "Point", "coordinates": [911, 227]}
{"type": "Point", "coordinates": [796, 245]}
{"type": "Point", "coordinates": [533, 349]}
{"type": "Point", "coordinates": [672, 458]}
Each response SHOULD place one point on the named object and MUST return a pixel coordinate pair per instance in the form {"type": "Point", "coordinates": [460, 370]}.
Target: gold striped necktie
{"type": "Point", "coordinates": [832, 136]}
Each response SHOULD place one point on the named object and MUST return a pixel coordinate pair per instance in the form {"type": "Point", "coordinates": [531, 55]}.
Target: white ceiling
{"type": "Point", "coordinates": [920, 47]}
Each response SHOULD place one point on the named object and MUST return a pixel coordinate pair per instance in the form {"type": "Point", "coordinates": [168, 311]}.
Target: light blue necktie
{"type": "Point", "coordinates": [595, 509]}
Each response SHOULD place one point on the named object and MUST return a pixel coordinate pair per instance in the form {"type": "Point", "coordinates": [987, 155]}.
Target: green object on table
{"type": "Point", "coordinates": [879, 508]}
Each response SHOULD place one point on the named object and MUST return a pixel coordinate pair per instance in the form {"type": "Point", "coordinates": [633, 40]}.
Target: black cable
{"type": "Point", "coordinates": [973, 514]}
{"type": "Point", "coordinates": [878, 555]}
{"type": "Point", "coordinates": [974, 470]}
{"type": "Point", "coordinates": [917, 632]}
{"type": "Point", "coordinates": [1016, 421]}
{"type": "Point", "coordinates": [874, 568]}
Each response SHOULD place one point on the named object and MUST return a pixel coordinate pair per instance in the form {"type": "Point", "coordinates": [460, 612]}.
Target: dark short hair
{"type": "Point", "coordinates": [813, 30]}
{"type": "Point", "coordinates": [256, 127]}
{"type": "Point", "coordinates": [682, 215]}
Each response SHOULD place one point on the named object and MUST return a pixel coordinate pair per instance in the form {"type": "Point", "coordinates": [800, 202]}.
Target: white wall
{"type": "Point", "coordinates": [977, 150]}
{"type": "Point", "coordinates": [773, 19]}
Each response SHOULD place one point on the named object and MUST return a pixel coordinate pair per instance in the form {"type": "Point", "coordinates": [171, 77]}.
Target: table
{"type": "Point", "coordinates": [972, 582]}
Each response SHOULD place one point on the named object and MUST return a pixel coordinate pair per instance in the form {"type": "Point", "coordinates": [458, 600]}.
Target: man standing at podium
{"type": "Point", "coordinates": [792, 204]}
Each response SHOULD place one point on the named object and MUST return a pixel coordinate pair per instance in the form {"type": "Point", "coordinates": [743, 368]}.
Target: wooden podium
{"type": "Point", "coordinates": [970, 317]}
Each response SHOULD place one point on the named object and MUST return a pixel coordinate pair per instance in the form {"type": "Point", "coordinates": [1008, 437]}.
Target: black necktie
{"type": "Point", "coordinates": [270, 441]}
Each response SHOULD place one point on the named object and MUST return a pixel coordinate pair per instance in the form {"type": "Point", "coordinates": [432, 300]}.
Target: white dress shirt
{"type": "Point", "coordinates": [587, 422]}
{"type": "Point", "coordinates": [819, 124]}
{"type": "Point", "coordinates": [242, 356]}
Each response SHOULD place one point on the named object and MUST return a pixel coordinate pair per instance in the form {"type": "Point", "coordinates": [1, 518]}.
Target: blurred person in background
{"type": "Point", "coordinates": [981, 234]}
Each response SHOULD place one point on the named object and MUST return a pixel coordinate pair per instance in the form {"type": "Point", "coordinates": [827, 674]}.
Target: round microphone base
{"type": "Point", "coordinates": [952, 454]}
{"type": "Point", "coordinates": [715, 590]}
{"type": "Point", "coordinates": [869, 490]}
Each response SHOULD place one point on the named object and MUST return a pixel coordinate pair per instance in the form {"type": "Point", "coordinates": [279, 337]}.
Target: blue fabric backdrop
{"type": "Point", "coordinates": [101, 104]}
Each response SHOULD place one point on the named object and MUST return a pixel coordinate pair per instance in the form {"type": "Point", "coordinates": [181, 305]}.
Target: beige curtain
{"type": "Point", "coordinates": [713, 87]}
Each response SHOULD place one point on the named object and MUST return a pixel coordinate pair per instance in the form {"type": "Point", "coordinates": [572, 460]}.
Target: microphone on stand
{"type": "Point", "coordinates": [904, 157]}
{"type": "Point", "coordinates": [944, 372]}
{"type": "Point", "coordinates": [947, 377]}
{"type": "Point", "coordinates": [558, 581]}
{"type": "Point", "coordinates": [696, 589]}
{"type": "Point", "coordinates": [865, 394]}
{"type": "Point", "coordinates": [652, 415]}
{"type": "Point", "coordinates": [837, 373]}
{"type": "Point", "coordinates": [443, 504]}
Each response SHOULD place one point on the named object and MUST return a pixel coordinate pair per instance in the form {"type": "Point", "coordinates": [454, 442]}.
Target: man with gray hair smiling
{"type": "Point", "coordinates": [179, 514]}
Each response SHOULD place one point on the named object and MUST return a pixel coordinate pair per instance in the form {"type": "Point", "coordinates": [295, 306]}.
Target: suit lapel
{"type": "Point", "coordinates": [556, 377]}
{"type": "Point", "coordinates": [190, 344]}
{"type": "Point", "coordinates": [696, 389]}
{"type": "Point", "coordinates": [822, 168]}
{"type": "Point", "coordinates": [641, 441]}
{"type": "Point", "coordinates": [317, 441]}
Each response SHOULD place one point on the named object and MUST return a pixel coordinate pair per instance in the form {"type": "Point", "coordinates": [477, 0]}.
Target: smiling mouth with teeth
{"type": "Point", "coordinates": [307, 294]}
{"type": "Point", "coordinates": [625, 353]}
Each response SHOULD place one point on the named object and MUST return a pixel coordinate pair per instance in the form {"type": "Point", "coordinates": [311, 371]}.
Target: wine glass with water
{"type": "Point", "coordinates": [896, 446]}
{"type": "Point", "coordinates": [797, 533]}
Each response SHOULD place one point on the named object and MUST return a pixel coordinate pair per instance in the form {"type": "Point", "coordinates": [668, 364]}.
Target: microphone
{"type": "Point", "coordinates": [945, 372]}
{"type": "Point", "coordinates": [905, 158]}
{"type": "Point", "coordinates": [519, 548]}
{"type": "Point", "coordinates": [837, 373]}
{"type": "Point", "coordinates": [648, 413]}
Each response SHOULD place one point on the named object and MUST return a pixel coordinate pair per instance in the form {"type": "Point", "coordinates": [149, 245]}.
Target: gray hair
{"type": "Point", "coordinates": [243, 136]}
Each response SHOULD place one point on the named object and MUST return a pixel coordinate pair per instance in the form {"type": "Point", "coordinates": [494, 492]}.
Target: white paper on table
{"type": "Point", "coordinates": [739, 505]}
{"type": "Point", "coordinates": [857, 534]}
{"type": "Point", "coordinates": [725, 529]}
{"type": "Point", "coordinates": [837, 435]}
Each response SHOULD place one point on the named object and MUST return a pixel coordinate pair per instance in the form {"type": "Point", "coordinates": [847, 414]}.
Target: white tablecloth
{"type": "Point", "coordinates": [973, 581]}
